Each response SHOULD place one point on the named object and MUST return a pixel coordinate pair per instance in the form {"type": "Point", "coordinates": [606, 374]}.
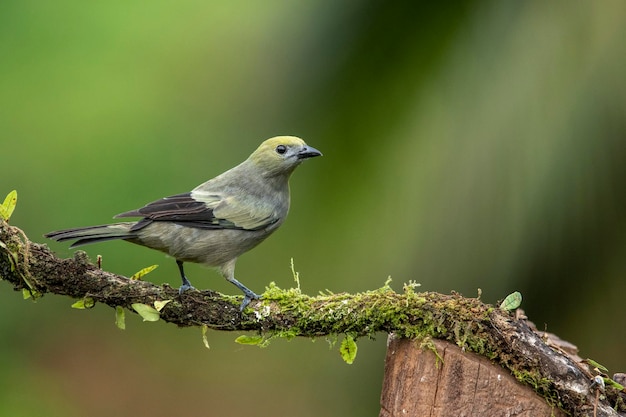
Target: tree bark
{"type": "Point", "coordinates": [418, 382]}
{"type": "Point", "coordinates": [510, 344]}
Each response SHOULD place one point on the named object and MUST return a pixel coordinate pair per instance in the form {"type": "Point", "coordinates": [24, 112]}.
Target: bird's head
{"type": "Point", "coordinates": [280, 155]}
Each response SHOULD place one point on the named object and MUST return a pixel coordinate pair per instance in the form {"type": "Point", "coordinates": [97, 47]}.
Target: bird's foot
{"type": "Point", "coordinates": [248, 296]}
{"type": "Point", "coordinates": [185, 287]}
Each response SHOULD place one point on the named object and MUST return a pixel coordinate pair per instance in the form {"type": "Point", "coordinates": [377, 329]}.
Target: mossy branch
{"type": "Point", "coordinates": [468, 322]}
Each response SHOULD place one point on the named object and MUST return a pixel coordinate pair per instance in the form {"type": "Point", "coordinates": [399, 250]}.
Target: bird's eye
{"type": "Point", "coordinates": [281, 149]}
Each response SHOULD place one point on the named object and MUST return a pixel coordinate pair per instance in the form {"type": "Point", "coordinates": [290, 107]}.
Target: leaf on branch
{"type": "Point", "coordinates": [511, 302]}
{"type": "Point", "coordinates": [84, 303]}
{"type": "Point", "coordinates": [616, 385]}
{"type": "Point", "coordinates": [348, 349]}
{"type": "Point", "coordinates": [205, 340]}
{"type": "Point", "coordinates": [120, 318]}
{"type": "Point", "coordinates": [158, 305]}
{"type": "Point", "coordinates": [7, 207]}
{"type": "Point", "coordinates": [250, 340]}
{"type": "Point", "coordinates": [146, 312]}
{"type": "Point", "coordinates": [142, 272]}
{"type": "Point", "coordinates": [596, 365]}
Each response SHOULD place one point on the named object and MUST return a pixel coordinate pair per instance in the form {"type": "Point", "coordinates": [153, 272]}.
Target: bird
{"type": "Point", "coordinates": [217, 221]}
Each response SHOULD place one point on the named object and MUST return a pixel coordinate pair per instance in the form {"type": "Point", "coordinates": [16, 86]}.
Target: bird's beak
{"type": "Point", "coordinates": [308, 152]}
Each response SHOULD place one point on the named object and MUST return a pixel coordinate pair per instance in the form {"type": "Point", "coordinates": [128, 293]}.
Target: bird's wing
{"type": "Point", "coordinates": [246, 214]}
{"type": "Point", "coordinates": [203, 210]}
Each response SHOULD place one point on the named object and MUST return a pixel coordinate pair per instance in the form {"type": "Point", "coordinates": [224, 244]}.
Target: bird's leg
{"type": "Point", "coordinates": [228, 272]}
{"type": "Point", "coordinates": [186, 284]}
{"type": "Point", "coordinates": [248, 294]}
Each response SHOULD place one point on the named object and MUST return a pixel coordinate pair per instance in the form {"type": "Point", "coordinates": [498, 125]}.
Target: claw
{"type": "Point", "coordinates": [248, 296]}
{"type": "Point", "coordinates": [185, 287]}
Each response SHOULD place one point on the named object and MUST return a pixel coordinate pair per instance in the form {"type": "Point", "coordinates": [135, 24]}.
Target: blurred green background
{"type": "Point", "coordinates": [475, 144]}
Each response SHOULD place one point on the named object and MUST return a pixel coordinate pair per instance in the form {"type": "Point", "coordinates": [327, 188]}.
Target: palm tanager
{"type": "Point", "coordinates": [218, 220]}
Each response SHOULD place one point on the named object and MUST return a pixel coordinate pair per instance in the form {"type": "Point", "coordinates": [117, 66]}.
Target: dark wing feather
{"type": "Point", "coordinates": [176, 207]}
{"type": "Point", "coordinates": [183, 209]}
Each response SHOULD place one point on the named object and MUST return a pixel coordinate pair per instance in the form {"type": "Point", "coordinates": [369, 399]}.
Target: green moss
{"type": "Point", "coordinates": [429, 345]}
{"type": "Point", "coordinates": [414, 315]}
{"type": "Point", "coordinates": [543, 386]}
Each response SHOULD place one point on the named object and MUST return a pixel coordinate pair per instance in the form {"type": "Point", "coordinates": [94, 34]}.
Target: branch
{"type": "Point", "coordinates": [467, 322]}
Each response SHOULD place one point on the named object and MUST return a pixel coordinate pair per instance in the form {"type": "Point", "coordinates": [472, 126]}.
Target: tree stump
{"type": "Point", "coordinates": [460, 384]}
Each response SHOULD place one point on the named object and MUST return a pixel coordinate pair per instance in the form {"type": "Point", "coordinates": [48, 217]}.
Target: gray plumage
{"type": "Point", "coordinates": [218, 220]}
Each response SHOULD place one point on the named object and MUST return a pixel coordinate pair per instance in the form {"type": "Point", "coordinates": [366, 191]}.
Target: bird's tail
{"type": "Point", "coordinates": [93, 234]}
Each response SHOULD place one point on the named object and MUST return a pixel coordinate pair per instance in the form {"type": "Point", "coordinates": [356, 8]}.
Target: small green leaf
{"type": "Point", "coordinates": [6, 209]}
{"type": "Point", "coordinates": [145, 271]}
{"type": "Point", "coordinates": [348, 349]}
{"type": "Point", "coordinates": [249, 340]}
{"type": "Point", "coordinates": [147, 312]}
{"type": "Point", "coordinates": [596, 365]}
{"type": "Point", "coordinates": [618, 386]}
{"type": "Point", "coordinates": [511, 302]}
{"type": "Point", "coordinates": [205, 340]}
{"type": "Point", "coordinates": [84, 303]}
{"type": "Point", "coordinates": [158, 305]}
{"type": "Point", "coordinates": [120, 318]}
{"type": "Point", "coordinates": [28, 293]}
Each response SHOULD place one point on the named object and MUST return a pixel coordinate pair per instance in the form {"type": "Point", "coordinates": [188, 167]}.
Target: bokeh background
{"type": "Point", "coordinates": [467, 145]}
